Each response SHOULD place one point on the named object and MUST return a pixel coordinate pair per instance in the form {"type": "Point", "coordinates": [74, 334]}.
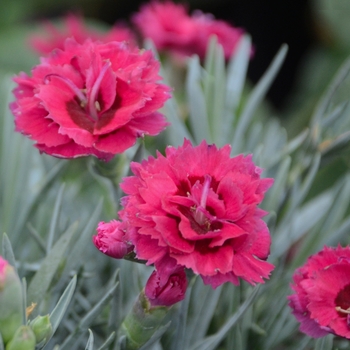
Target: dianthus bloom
{"type": "Point", "coordinates": [74, 27]}
{"type": "Point", "coordinates": [90, 99]}
{"type": "Point", "coordinates": [171, 28]}
{"type": "Point", "coordinates": [321, 302]}
{"type": "Point", "coordinates": [196, 207]}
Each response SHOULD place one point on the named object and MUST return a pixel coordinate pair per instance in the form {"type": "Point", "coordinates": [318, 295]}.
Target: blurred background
{"type": "Point", "coordinates": [316, 32]}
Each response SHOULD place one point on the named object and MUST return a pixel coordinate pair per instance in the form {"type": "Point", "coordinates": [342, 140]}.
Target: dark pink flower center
{"type": "Point", "coordinates": [90, 105]}
{"type": "Point", "coordinates": [200, 213]}
{"type": "Point", "coordinates": [200, 216]}
{"type": "Point", "coordinates": [342, 301]}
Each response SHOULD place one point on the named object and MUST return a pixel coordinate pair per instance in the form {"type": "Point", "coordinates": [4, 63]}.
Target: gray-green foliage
{"type": "Point", "coordinates": [50, 208]}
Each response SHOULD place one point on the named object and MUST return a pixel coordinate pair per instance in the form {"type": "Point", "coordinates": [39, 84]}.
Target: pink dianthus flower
{"type": "Point", "coordinates": [171, 28]}
{"type": "Point", "coordinates": [74, 27]}
{"type": "Point", "coordinates": [197, 207]}
{"type": "Point", "coordinates": [90, 99]}
{"type": "Point", "coordinates": [321, 302]}
{"type": "Point", "coordinates": [206, 26]}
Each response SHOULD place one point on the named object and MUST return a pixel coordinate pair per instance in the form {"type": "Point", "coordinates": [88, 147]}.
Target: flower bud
{"type": "Point", "coordinates": [41, 327]}
{"type": "Point", "coordinates": [160, 292]}
{"type": "Point", "coordinates": [163, 289]}
{"type": "Point", "coordinates": [10, 301]}
{"type": "Point", "coordinates": [141, 323]}
{"type": "Point", "coordinates": [24, 339]}
{"type": "Point", "coordinates": [112, 240]}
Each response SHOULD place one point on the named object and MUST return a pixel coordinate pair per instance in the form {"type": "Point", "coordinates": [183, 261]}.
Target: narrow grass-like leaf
{"type": "Point", "coordinates": [256, 97]}
{"type": "Point", "coordinates": [74, 260]}
{"type": "Point", "coordinates": [211, 342]}
{"type": "Point", "coordinates": [276, 192]}
{"type": "Point", "coordinates": [216, 110]}
{"type": "Point", "coordinates": [280, 329]}
{"type": "Point", "coordinates": [88, 319]}
{"type": "Point", "coordinates": [7, 251]}
{"type": "Point", "coordinates": [35, 200]}
{"type": "Point", "coordinates": [295, 143]}
{"type": "Point", "coordinates": [1, 343]}
{"type": "Point", "coordinates": [155, 337]}
{"type": "Point", "coordinates": [198, 114]}
{"type": "Point", "coordinates": [203, 305]}
{"type": "Point", "coordinates": [42, 279]}
{"type": "Point", "coordinates": [24, 300]}
{"type": "Point", "coordinates": [214, 88]}
{"type": "Point", "coordinates": [325, 343]}
{"type": "Point", "coordinates": [308, 180]}
{"type": "Point", "coordinates": [180, 340]}
{"type": "Point", "coordinates": [15, 160]}
{"type": "Point", "coordinates": [331, 219]}
{"type": "Point", "coordinates": [303, 220]}
{"type": "Point", "coordinates": [339, 234]}
{"type": "Point", "coordinates": [61, 306]}
{"type": "Point", "coordinates": [336, 145]}
{"type": "Point", "coordinates": [340, 204]}
{"type": "Point", "coordinates": [54, 219]}
{"type": "Point", "coordinates": [209, 60]}
{"type": "Point", "coordinates": [177, 130]}
{"type": "Point", "coordinates": [37, 238]}
{"type": "Point", "coordinates": [335, 114]}
{"type": "Point", "coordinates": [115, 315]}
{"type": "Point", "coordinates": [325, 101]}
{"type": "Point", "coordinates": [108, 341]}
{"type": "Point", "coordinates": [90, 343]}
{"type": "Point", "coordinates": [236, 74]}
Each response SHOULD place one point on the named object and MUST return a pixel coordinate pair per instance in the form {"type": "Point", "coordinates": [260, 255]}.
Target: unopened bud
{"type": "Point", "coordinates": [112, 239]}
{"type": "Point", "coordinates": [42, 328]}
{"type": "Point", "coordinates": [166, 291]}
{"type": "Point", "coordinates": [10, 301]}
{"type": "Point", "coordinates": [24, 339]}
{"type": "Point", "coordinates": [163, 289]}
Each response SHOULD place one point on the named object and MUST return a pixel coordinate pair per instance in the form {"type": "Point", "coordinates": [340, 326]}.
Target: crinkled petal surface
{"type": "Point", "coordinates": [321, 302]}
{"type": "Point", "coordinates": [197, 206]}
{"type": "Point", "coordinates": [90, 98]}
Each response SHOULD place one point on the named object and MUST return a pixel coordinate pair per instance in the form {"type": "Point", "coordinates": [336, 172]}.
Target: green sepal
{"type": "Point", "coordinates": [24, 339]}
{"type": "Point", "coordinates": [10, 304]}
{"type": "Point", "coordinates": [141, 323]}
{"type": "Point", "coordinates": [42, 328]}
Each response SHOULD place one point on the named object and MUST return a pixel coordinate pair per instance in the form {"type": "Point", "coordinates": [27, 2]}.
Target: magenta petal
{"type": "Point", "coordinates": [307, 325]}
{"type": "Point", "coordinates": [151, 124]}
{"type": "Point", "coordinates": [177, 205]}
{"type": "Point", "coordinates": [72, 150]}
{"type": "Point", "coordinates": [63, 108]}
{"type": "Point", "coordinates": [116, 142]}
{"type": "Point", "coordinates": [170, 233]}
{"type": "Point", "coordinates": [94, 95]}
{"type": "Point", "coordinates": [207, 262]}
{"type": "Point", "coordinates": [227, 232]}
{"type": "Point", "coordinates": [232, 197]}
{"type": "Point", "coordinates": [147, 249]}
{"type": "Point", "coordinates": [219, 279]}
{"type": "Point", "coordinates": [252, 269]}
{"type": "Point", "coordinates": [34, 122]}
